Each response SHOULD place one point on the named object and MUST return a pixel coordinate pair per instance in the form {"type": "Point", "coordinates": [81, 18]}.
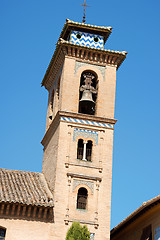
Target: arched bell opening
{"type": "Point", "coordinates": [82, 198]}
{"type": "Point", "coordinates": [88, 93]}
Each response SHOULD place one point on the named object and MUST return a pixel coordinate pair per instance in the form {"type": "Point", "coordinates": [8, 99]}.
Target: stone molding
{"type": "Point", "coordinates": [82, 222]}
{"type": "Point", "coordinates": [81, 176]}
{"type": "Point", "coordinates": [54, 67]}
{"type": "Point", "coordinates": [83, 164]}
{"type": "Point", "coordinates": [89, 54]}
{"type": "Point", "coordinates": [80, 119]}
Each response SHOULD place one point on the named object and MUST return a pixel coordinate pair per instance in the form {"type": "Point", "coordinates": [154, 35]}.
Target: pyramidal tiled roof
{"type": "Point", "coordinates": [105, 31]}
{"type": "Point", "coordinates": [25, 188]}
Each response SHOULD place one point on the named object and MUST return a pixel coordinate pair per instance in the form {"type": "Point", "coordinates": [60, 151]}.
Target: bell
{"type": "Point", "coordinates": [87, 96]}
{"type": "Point", "coordinates": [86, 104]}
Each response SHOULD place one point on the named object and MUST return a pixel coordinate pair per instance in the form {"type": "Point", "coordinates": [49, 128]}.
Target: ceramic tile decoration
{"type": "Point", "coordinates": [87, 39]}
{"type": "Point", "coordinates": [85, 134]}
{"type": "Point", "coordinates": [74, 120]}
{"type": "Point", "coordinates": [92, 236]}
{"type": "Point", "coordinates": [79, 182]}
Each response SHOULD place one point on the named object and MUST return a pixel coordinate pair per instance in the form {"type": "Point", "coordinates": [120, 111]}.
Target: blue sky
{"type": "Point", "coordinates": [29, 32]}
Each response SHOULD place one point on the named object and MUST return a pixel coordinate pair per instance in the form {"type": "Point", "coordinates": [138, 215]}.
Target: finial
{"type": "Point", "coordinates": [84, 14]}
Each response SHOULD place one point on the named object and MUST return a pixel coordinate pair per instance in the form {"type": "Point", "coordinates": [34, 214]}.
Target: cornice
{"type": "Point", "coordinates": [93, 178]}
{"type": "Point", "coordinates": [94, 223]}
{"type": "Point", "coordinates": [29, 212]}
{"type": "Point", "coordinates": [90, 54]}
{"type": "Point", "coordinates": [88, 117]}
{"type": "Point", "coordinates": [67, 43]}
{"type": "Point", "coordinates": [77, 119]}
{"type": "Point", "coordinates": [53, 68]}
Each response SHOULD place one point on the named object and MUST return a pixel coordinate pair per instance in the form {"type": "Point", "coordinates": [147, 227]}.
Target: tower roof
{"type": "Point", "coordinates": [108, 56]}
{"type": "Point", "coordinates": [71, 25]}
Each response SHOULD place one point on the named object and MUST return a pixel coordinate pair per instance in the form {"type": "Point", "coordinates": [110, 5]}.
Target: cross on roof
{"type": "Point", "coordinates": [84, 15]}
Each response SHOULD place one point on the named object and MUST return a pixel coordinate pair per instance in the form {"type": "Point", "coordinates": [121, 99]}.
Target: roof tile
{"type": "Point", "coordinates": [24, 187]}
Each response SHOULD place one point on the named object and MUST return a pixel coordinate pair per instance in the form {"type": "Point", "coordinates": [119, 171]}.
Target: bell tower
{"type": "Point", "coordinates": [78, 142]}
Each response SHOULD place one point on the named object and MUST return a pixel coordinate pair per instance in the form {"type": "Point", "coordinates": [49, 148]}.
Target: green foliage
{"type": "Point", "coordinates": [77, 232]}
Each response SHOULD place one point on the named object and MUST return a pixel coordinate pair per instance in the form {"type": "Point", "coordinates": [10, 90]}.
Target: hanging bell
{"type": "Point", "coordinates": [87, 96]}
{"type": "Point", "coordinates": [86, 104]}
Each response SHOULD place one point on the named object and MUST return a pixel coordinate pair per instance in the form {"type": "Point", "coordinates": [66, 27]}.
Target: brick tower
{"type": "Point", "coordinates": [78, 142]}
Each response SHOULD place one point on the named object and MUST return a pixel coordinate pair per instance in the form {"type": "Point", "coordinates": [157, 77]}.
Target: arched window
{"type": "Point", "coordinates": [84, 150]}
{"type": "Point", "coordinates": [89, 150]}
{"type": "Point", "coordinates": [80, 149]}
{"type": "Point", "coordinates": [2, 233]}
{"type": "Point", "coordinates": [82, 198]}
{"type": "Point", "coordinates": [88, 93]}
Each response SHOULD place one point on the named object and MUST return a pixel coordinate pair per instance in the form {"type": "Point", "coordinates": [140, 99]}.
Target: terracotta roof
{"type": "Point", "coordinates": [137, 213]}
{"type": "Point", "coordinates": [71, 25]}
{"type": "Point", "coordinates": [25, 188]}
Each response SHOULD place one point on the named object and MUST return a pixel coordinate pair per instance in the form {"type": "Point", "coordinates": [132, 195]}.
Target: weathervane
{"type": "Point", "coordinates": [84, 15]}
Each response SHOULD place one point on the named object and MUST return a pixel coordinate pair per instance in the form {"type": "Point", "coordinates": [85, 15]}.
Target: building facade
{"type": "Point", "coordinates": [142, 224]}
{"type": "Point", "coordinates": [78, 142]}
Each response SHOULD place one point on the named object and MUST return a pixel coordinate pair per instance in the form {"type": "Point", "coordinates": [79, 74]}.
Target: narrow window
{"type": "Point", "coordinates": [80, 149]}
{"type": "Point", "coordinates": [88, 93]}
{"type": "Point", "coordinates": [89, 150]}
{"type": "Point", "coordinates": [51, 105]}
{"type": "Point", "coordinates": [58, 87]}
{"type": "Point", "coordinates": [2, 233]}
{"type": "Point", "coordinates": [147, 233]}
{"type": "Point", "coordinates": [82, 198]}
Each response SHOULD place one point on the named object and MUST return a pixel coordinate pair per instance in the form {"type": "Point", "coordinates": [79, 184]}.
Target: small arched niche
{"type": "Point", "coordinates": [82, 197]}
{"type": "Point", "coordinates": [88, 91]}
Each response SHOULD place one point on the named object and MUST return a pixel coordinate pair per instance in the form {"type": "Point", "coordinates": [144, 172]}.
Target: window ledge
{"type": "Point", "coordinates": [85, 161]}
{"type": "Point", "coordinates": [82, 163]}
{"type": "Point", "coordinates": [83, 210]}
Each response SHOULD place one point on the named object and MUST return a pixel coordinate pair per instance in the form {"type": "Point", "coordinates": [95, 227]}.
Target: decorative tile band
{"type": "Point", "coordinates": [74, 120]}
{"type": "Point", "coordinates": [79, 182]}
{"type": "Point", "coordinates": [85, 134]}
{"type": "Point", "coordinates": [87, 39]}
{"type": "Point", "coordinates": [92, 236]}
